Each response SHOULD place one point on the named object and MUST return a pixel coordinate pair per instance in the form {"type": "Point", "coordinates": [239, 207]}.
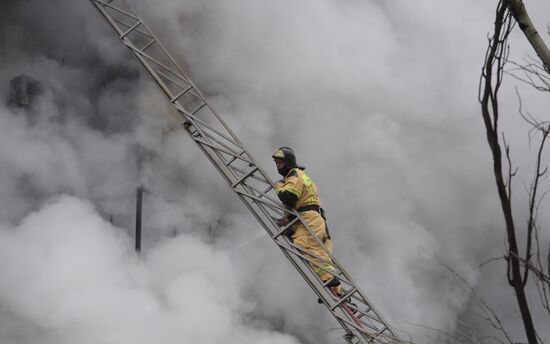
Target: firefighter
{"type": "Point", "coordinates": [296, 190]}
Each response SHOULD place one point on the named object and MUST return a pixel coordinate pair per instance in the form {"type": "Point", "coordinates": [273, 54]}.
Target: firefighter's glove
{"type": "Point", "coordinates": [283, 221]}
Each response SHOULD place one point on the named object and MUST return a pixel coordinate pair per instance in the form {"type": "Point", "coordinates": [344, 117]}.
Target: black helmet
{"type": "Point", "coordinates": [286, 154]}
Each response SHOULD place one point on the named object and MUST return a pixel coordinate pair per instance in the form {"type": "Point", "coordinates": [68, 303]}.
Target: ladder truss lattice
{"type": "Point", "coordinates": [354, 312]}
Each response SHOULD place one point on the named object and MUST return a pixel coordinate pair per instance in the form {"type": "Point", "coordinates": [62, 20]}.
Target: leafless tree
{"type": "Point", "coordinates": [519, 264]}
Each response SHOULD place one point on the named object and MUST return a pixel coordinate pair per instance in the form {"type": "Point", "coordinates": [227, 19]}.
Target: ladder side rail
{"type": "Point", "coordinates": [177, 72]}
{"type": "Point", "coordinates": [301, 267]}
{"type": "Point", "coordinates": [340, 314]}
{"type": "Point", "coordinates": [159, 43]}
{"type": "Point", "coordinates": [151, 70]}
{"type": "Point", "coordinates": [354, 288]}
{"type": "Point", "coordinates": [213, 154]}
{"type": "Point", "coordinates": [339, 269]}
{"type": "Point", "coordinates": [298, 263]}
{"type": "Point", "coordinates": [176, 65]}
{"type": "Point", "coordinates": [212, 132]}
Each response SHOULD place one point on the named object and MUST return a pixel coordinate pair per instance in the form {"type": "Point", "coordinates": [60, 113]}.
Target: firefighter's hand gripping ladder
{"type": "Point", "coordinates": [353, 311]}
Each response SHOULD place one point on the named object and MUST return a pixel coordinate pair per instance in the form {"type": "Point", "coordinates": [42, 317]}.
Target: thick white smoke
{"type": "Point", "coordinates": [71, 276]}
{"type": "Point", "coordinates": [379, 100]}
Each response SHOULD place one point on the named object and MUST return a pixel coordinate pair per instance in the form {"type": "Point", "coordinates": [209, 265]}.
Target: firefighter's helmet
{"type": "Point", "coordinates": [286, 154]}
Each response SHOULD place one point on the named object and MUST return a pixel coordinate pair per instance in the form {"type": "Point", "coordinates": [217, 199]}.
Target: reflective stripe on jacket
{"type": "Point", "coordinates": [297, 189]}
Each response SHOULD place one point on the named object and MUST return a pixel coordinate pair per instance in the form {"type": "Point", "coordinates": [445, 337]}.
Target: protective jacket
{"type": "Point", "coordinates": [298, 191]}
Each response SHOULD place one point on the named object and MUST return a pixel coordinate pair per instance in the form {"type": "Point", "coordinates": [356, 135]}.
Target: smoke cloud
{"type": "Point", "coordinates": [378, 99]}
{"type": "Point", "coordinates": [69, 275]}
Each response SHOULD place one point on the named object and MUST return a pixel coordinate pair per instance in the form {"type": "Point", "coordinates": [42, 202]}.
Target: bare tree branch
{"type": "Point", "coordinates": [542, 127]}
{"type": "Point", "coordinates": [491, 260]}
{"type": "Point", "coordinates": [533, 74]}
{"type": "Point", "coordinates": [489, 314]}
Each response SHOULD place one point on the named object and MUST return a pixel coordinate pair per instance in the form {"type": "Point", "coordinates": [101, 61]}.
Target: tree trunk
{"type": "Point", "coordinates": [493, 69]}
{"type": "Point", "coordinates": [517, 8]}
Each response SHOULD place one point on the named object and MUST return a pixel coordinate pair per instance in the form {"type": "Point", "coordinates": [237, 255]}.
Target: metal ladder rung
{"type": "Point", "coordinates": [381, 331]}
{"type": "Point", "coordinates": [365, 312]}
{"type": "Point", "coordinates": [234, 158]}
{"type": "Point", "coordinates": [344, 298]}
{"type": "Point", "coordinates": [285, 228]}
{"type": "Point", "coordinates": [251, 172]}
{"type": "Point", "coordinates": [121, 11]}
{"type": "Point", "coordinates": [153, 41]}
{"type": "Point", "coordinates": [325, 284]}
{"type": "Point", "coordinates": [175, 98]}
{"type": "Point", "coordinates": [121, 23]}
{"type": "Point", "coordinates": [274, 207]}
{"type": "Point", "coordinates": [350, 336]}
{"type": "Point", "coordinates": [199, 108]}
{"type": "Point", "coordinates": [222, 150]}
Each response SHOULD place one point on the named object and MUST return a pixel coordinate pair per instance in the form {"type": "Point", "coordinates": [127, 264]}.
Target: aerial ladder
{"type": "Point", "coordinates": [361, 322]}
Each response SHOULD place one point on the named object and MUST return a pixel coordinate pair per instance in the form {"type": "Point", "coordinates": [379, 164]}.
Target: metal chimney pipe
{"type": "Point", "coordinates": [139, 202]}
